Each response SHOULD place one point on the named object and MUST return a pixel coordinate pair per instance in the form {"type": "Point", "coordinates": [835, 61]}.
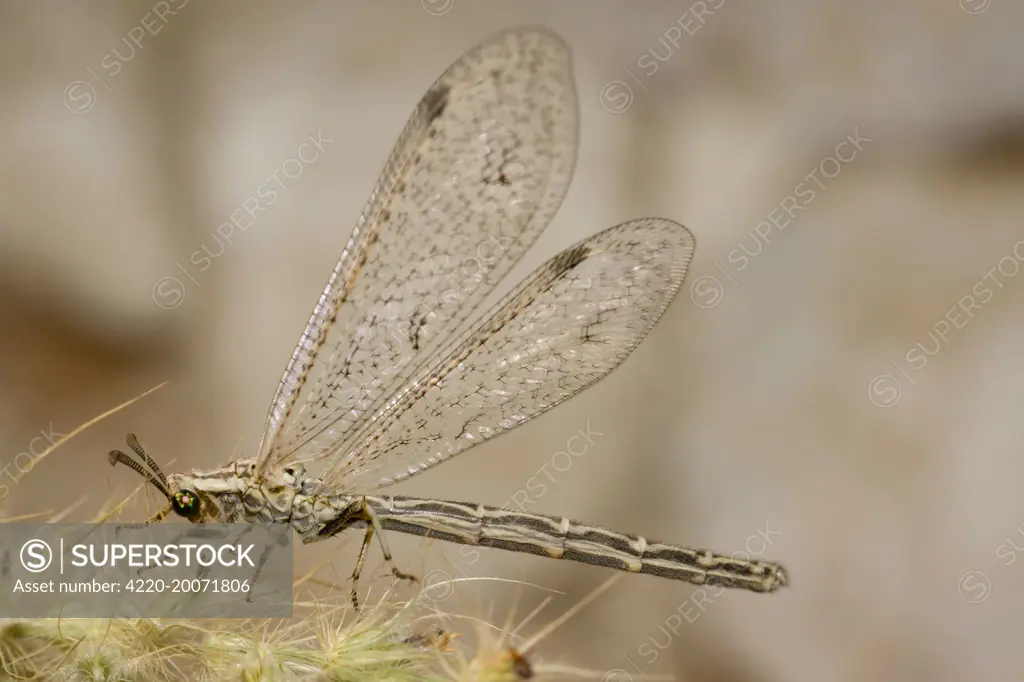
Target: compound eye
{"type": "Point", "coordinates": [186, 503]}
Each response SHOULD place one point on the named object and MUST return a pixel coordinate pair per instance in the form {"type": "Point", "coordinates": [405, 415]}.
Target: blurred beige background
{"type": "Point", "coordinates": [839, 389]}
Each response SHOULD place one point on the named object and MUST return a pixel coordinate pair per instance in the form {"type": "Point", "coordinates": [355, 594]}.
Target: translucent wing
{"type": "Point", "coordinates": [477, 173]}
{"type": "Point", "coordinates": [566, 326]}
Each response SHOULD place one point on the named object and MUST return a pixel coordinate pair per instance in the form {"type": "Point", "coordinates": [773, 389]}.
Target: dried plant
{"type": "Point", "coordinates": [327, 640]}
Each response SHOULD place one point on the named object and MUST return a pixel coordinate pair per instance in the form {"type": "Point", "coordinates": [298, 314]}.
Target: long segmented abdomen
{"type": "Point", "coordinates": [562, 538]}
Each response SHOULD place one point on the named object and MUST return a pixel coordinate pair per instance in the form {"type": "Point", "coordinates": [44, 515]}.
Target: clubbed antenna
{"type": "Point", "coordinates": [116, 456]}
{"type": "Point", "coordinates": [135, 445]}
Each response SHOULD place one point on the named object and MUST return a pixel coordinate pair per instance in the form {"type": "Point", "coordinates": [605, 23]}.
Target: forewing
{"type": "Point", "coordinates": [477, 173]}
{"type": "Point", "coordinates": [566, 326]}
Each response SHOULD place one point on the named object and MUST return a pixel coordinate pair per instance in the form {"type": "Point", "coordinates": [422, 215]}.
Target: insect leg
{"type": "Point", "coordinates": [359, 566]}
{"type": "Point", "coordinates": [260, 563]}
{"type": "Point", "coordinates": [359, 510]}
{"type": "Point", "coordinates": [342, 521]}
{"type": "Point", "coordinates": [385, 550]}
{"type": "Point", "coordinates": [159, 516]}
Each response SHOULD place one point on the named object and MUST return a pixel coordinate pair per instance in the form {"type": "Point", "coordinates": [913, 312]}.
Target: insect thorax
{"type": "Point", "coordinates": [288, 495]}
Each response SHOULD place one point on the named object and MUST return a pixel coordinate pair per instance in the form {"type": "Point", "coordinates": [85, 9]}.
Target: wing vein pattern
{"type": "Point", "coordinates": [477, 173]}
{"type": "Point", "coordinates": [566, 326]}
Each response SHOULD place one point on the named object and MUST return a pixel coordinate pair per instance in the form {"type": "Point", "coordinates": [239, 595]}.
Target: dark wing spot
{"type": "Point", "coordinates": [415, 328]}
{"type": "Point", "coordinates": [436, 101]}
{"type": "Point", "coordinates": [499, 179]}
{"type": "Point", "coordinates": [570, 259]}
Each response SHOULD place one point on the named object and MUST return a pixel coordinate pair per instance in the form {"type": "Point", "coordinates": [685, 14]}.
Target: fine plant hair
{"type": "Point", "coordinates": [388, 640]}
{"type": "Point", "coordinates": [326, 640]}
